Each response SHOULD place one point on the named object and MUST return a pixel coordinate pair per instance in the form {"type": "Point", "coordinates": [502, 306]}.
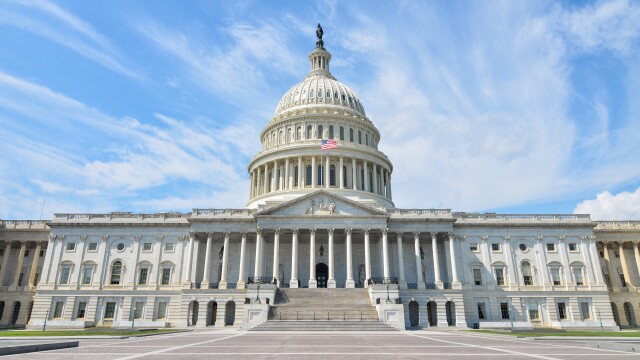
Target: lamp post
{"type": "Point", "coordinates": [388, 281]}
{"type": "Point", "coordinates": [257, 301]}
{"type": "Point", "coordinates": [600, 318]}
{"type": "Point", "coordinates": [512, 315]}
{"type": "Point", "coordinates": [44, 326]}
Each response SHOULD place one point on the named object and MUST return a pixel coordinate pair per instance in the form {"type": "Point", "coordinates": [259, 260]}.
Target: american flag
{"type": "Point", "coordinates": [328, 144]}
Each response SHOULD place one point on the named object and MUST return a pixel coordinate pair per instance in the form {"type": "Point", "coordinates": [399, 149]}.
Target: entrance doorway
{"type": "Point", "coordinates": [322, 273]}
{"type": "Point", "coordinates": [432, 313]}
{"type": "Point", "coordinates": [414, 314]}
{"type": "Point", "coordinates": [212, 312]}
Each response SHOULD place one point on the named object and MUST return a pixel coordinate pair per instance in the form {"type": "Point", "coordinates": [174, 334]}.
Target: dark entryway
{"type": "Point", "coordinates": [16, 313]}
{"type": "Point", "coordinates": [629, 314]}
{"type": "Point", "coordinates": [414, 314]}
{"type": "Point", "coordinates": [212, 312]}
{"type": "Point", "coordinates": [451, 313]}
{"type": "Point", "coordinates": [614, 309]}
{"type": "Point", "coordinates": [322, 273]}
{"type": "Point", "coordinates": [195, 307]}
{"type": "Point", "coordinates": [432, 311]}
{"type": "Point", "coordinates": [230, 313]}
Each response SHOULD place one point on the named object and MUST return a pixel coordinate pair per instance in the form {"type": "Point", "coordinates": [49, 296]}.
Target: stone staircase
{"type": "Point", "coordinates": [322, 310]}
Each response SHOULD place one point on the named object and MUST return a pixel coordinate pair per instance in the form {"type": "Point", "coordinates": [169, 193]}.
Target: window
{"type": "Point", "coordinates": [41, 253]}
{"type": "Point", "coordinates": [320, 132]}
{"type": "Point", "coordinates": [20, 278]}
{"type": "Point", "coordinates": [71, 246]}
{"type": "Point", "coordinates": [601, 254]}
{"type": "Point", "coordinates": [341, 133]}
{"type": "Point", "coordinates": [623, 282]}
{"type": "Point", "coordinates": [495, 247]}
{"type": "Point", "coordinates": [82, 309]}
{"type": "Point", "coordinates": [87, 274]}
{"type": "Point", "coordinates": [57, 309]}
{"type": "Point", "coordinates": [477, 276]}
{"type": "Point", "coordinates": [138, 309]}
{"type": "Point", "coordinates": [551, 247]}
{"type": "Point", "coordinates": [310, 129]}
{"type": "Point", "coordinates": [309, 176]}
{"type": "Point", "coordinates": [534, 313]}
{"type": "Point", "coordinates": [26, 253]}
{"type": "Point", "coordinates": [573, 247]}
{"type": "Point", "coordinates": [331, 132]}
{"type": "Point", "coordinates": [577, 275]}
{"type": "Point", "coordinates": [523, 247]}
{"type": "Point", "coordinates": [616, 253]}
{"type": "Point", "coordinates": [366, 139]}
{"type": "Point", "coordinates": [65, 272]}
{"type": "Point", "coordinates": [359, 137]}
{"type": "Point", "coordinates": [332, 175]}
{"type": "Point", "coordinates": [166, 276]}
{"type": "Point", "coordinates": [142, 276]}
{"type": "Point", "coordinates": [500, 276]}
{"type": "Point", "coordinates": [109, 310]}
{"type": "Point", "coordinates": [482, 313]}
{"type": "Point", "coordinates": [116, 272]}
{"type": "Point", "coordinates": [606, 279]}
{"type": "Point", "coordinates": [93, 246]}
{"type": "Point", "coordinates": [473, 247]}
{"type": "Point", "coordinates": [555, 276]}
{"type": "Point", "coordinates": [504, 311]}
{"type": "Point", "coordinates": [585, 311]}
{"type": "Point", "coordinates": [527, 278]}
{"type": "Point", "coordinates": [168, 247]}
{"type": "Point", "coordinates": [147, 246]}
{"type": "Point", "coordinates": [351, 135]}
{"type": "Point", "coordinates": [162, 310]}
{"type": "Point", "coordinates": [120, 247]}
{"type": "Point", "coordinates": [562, 311]}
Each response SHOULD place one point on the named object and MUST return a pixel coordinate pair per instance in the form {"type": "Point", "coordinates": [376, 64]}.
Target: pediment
{"type": "Point", "coordinates": [321, 203]}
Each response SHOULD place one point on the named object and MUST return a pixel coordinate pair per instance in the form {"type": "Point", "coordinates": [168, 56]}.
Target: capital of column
{"type": "Point", "coordinates": [506, 238]}
{"type": "Point", "coordinates": [259, 231]}
{"type": "Point", "coordinates": [83, 238]}
{"type": "Point", "coordinates": [348, 231]}
{"type": "Point", "coordinates": [276, 231]}
{"type": "Point", "coordinates": [416, 234]}
{"type": "Point", "coordinates": [295, 231]}
{"type": "Point", "coordinates": [561, 238]}
{"type": "Point", "coordinates": [105, 237]}
{"type": "Point", "coordinates": [384, 231]}
{"type": "Point", "coordinates": [330, 231]}
{"type": "Point", "coordinates": [366, 231]}
{"type": "Point", "coordinates": [313, 231]}
{"type": "Point", "coordinates": [539, 238]}
{"type": "Point", "coordinates": [159, 237]}
{"type": "Point", "coordinates": [434, 236]}
{"type": "Point", "coordinates": [136, 238]}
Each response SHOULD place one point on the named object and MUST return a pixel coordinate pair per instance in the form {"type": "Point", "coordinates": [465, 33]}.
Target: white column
{"type": "Point", "coordinates": [354, 182]}
{"type": "Point", "coordinates": [402, 282]}
{"type": "Point", "coordinates": [367, 257]}
{"type": "Point", "coordinates": [207, 262]}
{"type": "Point", "coordinates": [349, 283]}
{"type": "Point", "coordinates": [419, 277]}
{"type": "Point", "coordinates": [389, 196]}
{"type": "Point", "coordinates": [385, 255]}
{"type": "Point", "coordinates": [34, 264]}
{"type": "Point", "coordinates": [614, 279]}
{"type": "Point", "coordinates": [327, 183]}
{"type": "Point", "coordinates": [276, 256]}
{"type": "Point", "coordinates": [225, 262]}
{"type": "Point", "coordinates": [331, 282]}
{"type": "Point", "coordinates": [7, 255]}
{"type": "Point", "coordinates": [265, 183]}
{"type": "Point", "coordinates": [541, 256]}
{"type": "Point", "coordinates": [258, 181]}
{"type": "Point", "coordinates": [243, 249]}
{"type": "Point", "coordinates": [594, 260]}
{"type": "Point", "coordinates": [16, 275]}
{"type": "Point", "coordinates": [375, 178]}
{"type": "Point", "coordinates": [454, 267]}
{"type": "Point", "coordinates": [436, 260]}
{"type": "Point", "coordinates": [564, 258]}
{"type": "Point", "coordinates": [312, 259]}
{"type": "Point", "coordinates": [287, 172]}
{"type": "Point", "coordinates": [187, 272]}
{"type": "Point", "coordinates": [300, 172]}
{"type": "Point", "coordinates": [274, 176]}
{"type": "Point", "coordinates": [294, 259]}
{"type": "Point", "coordinates": [386, 183]}
{"type": "Point", "coordinates": [314, 175]}
{"type": "Point", "coordinates": [341, 172]}
{"type": "Point", "coordinates": [366, 177]}
{"type": "Point", "coordinates": [256, 271]}
{"type": "Point", "coordinates": [636, 253]}
{"type": "Point", "coordinates": [623, 263]}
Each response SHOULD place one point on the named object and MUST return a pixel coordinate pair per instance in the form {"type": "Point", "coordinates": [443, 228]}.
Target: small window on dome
{"type": "Point", "coordinates": [335, 96]}
{"type": "Point", "coordinates": [344, 98]}
{"type": "Point", "coordinates": [311, 94]}
{"type": "Point", "coordinates": [350, 100]}
{"type": "Point", "coordinates": [341, 133]}
{"type": "Point", "coordinates": [328, 94]}
{"type": "Point", "coordinates": [320, 94]}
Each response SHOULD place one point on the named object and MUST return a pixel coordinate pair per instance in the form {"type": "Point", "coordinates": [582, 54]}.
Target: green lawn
{"type": "Point", "coordinates": [564, 333]}
{"type": "Point", "coordinates": [87, 332]}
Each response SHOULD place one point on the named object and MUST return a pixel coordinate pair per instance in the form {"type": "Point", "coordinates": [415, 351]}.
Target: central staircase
{"type": "Point", "coordinates": [322, 310]}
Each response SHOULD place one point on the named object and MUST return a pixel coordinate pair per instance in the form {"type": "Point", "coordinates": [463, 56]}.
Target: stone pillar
{"type": "Point", "coordinates": [564, 258]}
{"type": "Point", "coordinates": [274, 176]}
{"type": "Point", "coordinates": [252, 180]}
{"type": "Point", "coordinates": [327, 173]}
{"type": "Point", "coordinates": [187, 272]}
{"type": "Point", "coordinates": [623, 262]}
{"type": "Point", "coordinates": [34, 265]}
{"type": "Point", "coordinates": [314, 175]}
{"type": "Point", "coordinates": [5, 261]}
{"type": "Point", "coordinates": [16, 275]}
{"type": "Point", "coordinates": [390, 196]}
{"type": "Point", "coordinates": [293, 283]}
{"type": "Point", "coordinates": [636, 253]}
{"type": "Point", "coordinates": [331, 281]}
{"type": "Point", "coordinates": [436, 260]}
{"type": "Point", "coordinates": [541, 255]}
{"type": "Point", "coordinates": [455, 283]}
{"type": "Point", "coordinates": [313, 283]}
{"type": "Point", "coordinates": [367, 257]}
{"type": "Point", "coordinates": [354, 181]}
{"type": "Point", "coordinates": [257, 193]}
{"type": "Point", "coordinates": [243, 249]}
{"type": "Point", "coordinates": [401, 280]}
{"type": "Point", "coordinates": [613, 275]}
{"type": "Point", "coordinates": [265, 177]}
{"type": "Point", "coordinates": [300, 172]}
{"type": "Point", "coordinates": [594, 259]}
{"type": "Point", "coordinates": [375, 178]}
{"type": "Point", "coordinates": [366, 177]}
{"type": "Point", "coordinates": [225, 261]}
{"type": "Point", "coordinates": [287, 172]}
{"type": "Point", "coordinates": [256, 271]}
{"type": "Point", "coordinates": [276, 256]}
{"type": "Point", "coordinates": [349, 283]}
{"type": "Point", "coordinates": [341, 172]}
{"type": "Point", "coordinates": [511, 264]}
{"type": "Point", "coordinates": [386, 184]}
{"type": "Point", "coordinates": [419, 277]}
{"type": "Point", "coordinates": [385, 254]}
{"type": "Point", "coordinates": [207, 262]}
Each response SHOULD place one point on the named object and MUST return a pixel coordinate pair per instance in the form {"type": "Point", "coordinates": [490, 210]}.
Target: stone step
{"type": "Point", "coordinates": [323, 325]}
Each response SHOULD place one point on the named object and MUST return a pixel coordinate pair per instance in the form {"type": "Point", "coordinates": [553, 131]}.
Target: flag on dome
{"type": "Point", "coordinates": [328, 144]}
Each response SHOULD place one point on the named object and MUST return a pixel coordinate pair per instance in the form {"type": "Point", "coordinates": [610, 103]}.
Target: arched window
{"type": "Point", "coordinates": [332, 175]}
{"type": "Point", "coordinates": [309, 175]}
{"type": "Point", "coordinates": [319, 94]}
{"type": "Point", "coordinates": [274, 139]}
{"type": "Point", "coordinates": [359, 137]}
{"type": "Point", "coordinates": [116, 273]}
{"type": "Point", "coordinates": [366, 139]}
{"type": "Point", "coordinates": [295, 176]}
{"type": "Point", "coordinates": [351, 135]}
{"type": "Point", "coordinates": [331, 132]}
{"type": "Point", "coordinates": [282, 138]}
{"type": "Point", "coordinates": [341, 133]}
{"type": "Point", "coordinates": [320, 175]}
{"type": "Point", "coordinates": [328, 94]}
{"type": "Point", "coordinates": [309, 131]}
{"type": "Point", "coordinates": [320, 132]}
{"type": "Point", "coordinates": [527, 277]}
{"type": "Point", "coordinates": [299, 133]}
{"type": "Point", "coordinates": [289, 138]}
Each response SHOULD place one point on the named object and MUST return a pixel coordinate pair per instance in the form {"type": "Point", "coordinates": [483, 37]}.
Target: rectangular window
{"type": "Point", "coordinates": [64, 275]}
{"type": "Point", "coordinates": [616, 253]}
{"type": "Point", "coordinates": [555, 276]}
{"type": "Point", "coordinates": [166, 276]}
{"type": "Point", "coordinates": [109, 310]}
{"type": "Point", "coordinates": [57, 310]}
{"type": "Point", "coordinates": [534, 313]}
{"type": "Point", "coordinates": [551, 247]}
{"type": "Point", "coordinates": [41, 253]}
{"type": "Point", "coordinates": [162, 310]}
{"type": "Point", "coordinates": [168, 247]}
{"type": "Point", "coordinates": [82, 308]}
{"type": "Point", "coordinates": [495, 247]}
{"type": "Point", "coordinates": [577, 274]}
{"type": "Point", "coordinates": [500, 276]}
{"type": "Point", "coordinates": [87, 274]}
{"type": "Point", "coordinates": [562, 311]}
{"type": "Point", "coordinates": [473, 247]}
{"type": "Point", "coordinates": [477, 276]}
{"type": "Point", "coordinates": [504, 311]}
{"type": "Point", "coordinates": [147, 246]}
{"type": "Point", "coordinates": [71, 246]}
{"type": "Point", "coordinates": [138, 309]}
{"type": "Point", "coordinates": [573, 247]}
{"type": "Point", "coordinates": [482, 314]}
{"type": "Point", "coordinates": [606, 279]}
{"type": "Point", "coordinates": [601, 254]}
{"type": "Point", "coordinates": [622, 280]}
{"type": "Point", "coordinates": [93, 246]}
{"type": "Point", "coordinates": [142, 276]}
{"type": "Point", "coordinates": [26, 253]}
{"type": "Point", "coordinates": [585, 312]}
{"type": "Point", "coordinates": [20, 278]}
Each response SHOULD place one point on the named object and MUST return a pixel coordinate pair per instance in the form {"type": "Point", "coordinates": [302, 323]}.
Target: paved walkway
{"type": "Point", "coordinates": [327, 345]}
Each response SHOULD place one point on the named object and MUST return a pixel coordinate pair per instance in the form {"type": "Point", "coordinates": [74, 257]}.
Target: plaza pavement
{"type": "Point", "coordinates": [427, 344]}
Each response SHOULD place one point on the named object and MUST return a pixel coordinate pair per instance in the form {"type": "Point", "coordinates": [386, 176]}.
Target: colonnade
{"type": "Point", "coordinates": [349, 173]}
{"type": "Point", "coordinates": [616, 281]}
{"type": "Point", "coordinates": [23, 247]}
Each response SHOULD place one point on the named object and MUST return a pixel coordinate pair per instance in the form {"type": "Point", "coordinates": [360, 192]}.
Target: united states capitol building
{"type": "Point", "coordinates": [320, 240]}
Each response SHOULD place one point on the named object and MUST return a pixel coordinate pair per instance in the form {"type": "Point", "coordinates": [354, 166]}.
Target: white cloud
{"type": "Point", "coordinates": [606, 206]}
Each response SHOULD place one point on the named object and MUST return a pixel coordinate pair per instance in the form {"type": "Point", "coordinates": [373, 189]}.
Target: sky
{"type": "Point", "coordinates": [498, 106]}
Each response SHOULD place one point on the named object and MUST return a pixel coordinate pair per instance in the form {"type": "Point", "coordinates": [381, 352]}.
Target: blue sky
{"type": "Point", "coordinates": [512, 106]}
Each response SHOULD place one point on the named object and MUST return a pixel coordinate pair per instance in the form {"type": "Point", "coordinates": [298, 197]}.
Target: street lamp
{"type": "Point", "coordinates": [44, 326]}
{"type": "Point", "coordinates": [421, 253]}
{"type": "Point", "coordinates": [221, 253]}
{"type": "Point", "coordinates": [257, 301]}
